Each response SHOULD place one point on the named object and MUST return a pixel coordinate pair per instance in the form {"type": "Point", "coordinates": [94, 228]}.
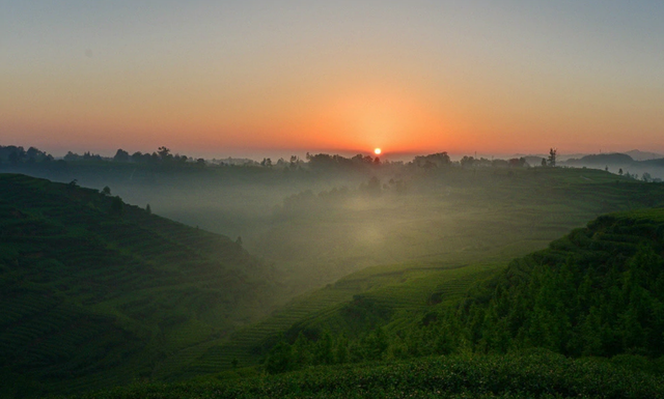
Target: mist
{"type": "Point", "coordinates": [319, 219]}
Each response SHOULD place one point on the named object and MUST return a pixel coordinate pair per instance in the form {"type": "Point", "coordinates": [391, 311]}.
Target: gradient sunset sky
{"type": "Point", "coordinates": [228, 77]}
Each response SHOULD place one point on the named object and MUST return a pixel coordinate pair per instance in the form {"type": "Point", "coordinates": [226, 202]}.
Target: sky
{"type": "Point", "coordinates": [239, 77]}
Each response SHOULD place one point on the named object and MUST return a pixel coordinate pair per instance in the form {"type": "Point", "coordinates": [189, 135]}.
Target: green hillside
{"type": "Point", "coordinates": [594, 295]}
{"type": "Point", "coordinates": [598, 291]}
{"type": "Point", "coordinates": [96, 293]}
{"type": "Point", "coordinates": [479, 222]}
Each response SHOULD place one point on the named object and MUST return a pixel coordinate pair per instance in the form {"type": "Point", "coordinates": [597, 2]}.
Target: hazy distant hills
{"type": "Point", "coordinates": [635, 155]}
{"type": "Point", "coordinates": [95, 292]}
{"type": "Point", "coordinates": [602, 159]}
{"type": "Point", "coordinates": [628, 157]}
{"type": "Point", "coordinates": [635, 162]}
{"type": "Point", "coordinates": [643, 156]}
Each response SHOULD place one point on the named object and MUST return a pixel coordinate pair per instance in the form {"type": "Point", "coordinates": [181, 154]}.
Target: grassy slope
{"type": "Point", "coordinates": [499, 217]}
{"type": "Point", "coordinates": [494, 218]}
{"type": "Point", "coordinates": [96, 294]}
{"type": "Point", "coordinates": [517, 374]}
{"type": "Point", "coordinates": [597, 291]}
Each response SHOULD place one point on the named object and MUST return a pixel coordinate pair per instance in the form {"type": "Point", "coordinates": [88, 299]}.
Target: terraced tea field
{"type": "Point", "coordinates": [95, 294]}
{"type": "Point", "coordinates": [167, 302]}
{"type": "Point", "coordinates": [472, 233]}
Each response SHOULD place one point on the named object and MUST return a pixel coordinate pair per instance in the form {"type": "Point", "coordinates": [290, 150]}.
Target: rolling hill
{"type": "Point", "coordinates": [478, 224]}
{"type": "Point", "coordinates": [598, 291]}
{"type": "Point", "coordinates": [95, 292]}
{"type": "Point", "coordinates": [595, 295]}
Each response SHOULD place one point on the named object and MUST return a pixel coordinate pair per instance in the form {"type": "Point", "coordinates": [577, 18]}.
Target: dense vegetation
{"type": "Point", "coordinates": [95, 292]}
{"type": "Point", "coordinates": [536, 374]}
{"type": "Point", "coordinates": [478, 222]}
{"type": "Point", "coordinates": [395, 248]}
{"type": "Point", "coordinates": [598, 291]}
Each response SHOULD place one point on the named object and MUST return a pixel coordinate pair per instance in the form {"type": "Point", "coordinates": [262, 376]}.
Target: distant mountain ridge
{"type": "Point", "coordinates": [602, 159]}
{"type": "Point", "coordinates": [643, 156]}
{"type": "Point", "coordinates": [649, 169]}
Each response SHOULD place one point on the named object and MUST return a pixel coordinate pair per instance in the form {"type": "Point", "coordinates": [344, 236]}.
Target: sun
{"type": "Point", "coordinates": [377, 151]}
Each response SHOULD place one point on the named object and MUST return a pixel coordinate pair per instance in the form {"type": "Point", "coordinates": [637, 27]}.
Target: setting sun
{"type": "Point", "coordinates": [377, 151]}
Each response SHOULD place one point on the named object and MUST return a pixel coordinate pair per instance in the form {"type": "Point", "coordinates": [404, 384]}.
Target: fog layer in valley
{"type": "Point", "coordinates": [319, 220]}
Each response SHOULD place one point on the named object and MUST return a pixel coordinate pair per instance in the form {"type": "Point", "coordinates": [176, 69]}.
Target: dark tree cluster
{"type": "Point", "coordinates": [164, 158]}
{"type": "Point", "coordinates": [161, 156]}
{"type": "Point", "coordinates": [468, 162]}
{"type": "Point", "coordinates": [14, 155]}
{"type": "Point", "coordinates": [431, 161]}
{"type": "Point", "coordinates": [87, 156]}
{"type": "Point", "coordinates": [332, 162]}
{"type": "Point", "coordinates": [313, 348]}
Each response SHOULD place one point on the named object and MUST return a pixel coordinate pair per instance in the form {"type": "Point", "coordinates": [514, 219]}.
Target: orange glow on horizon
{"type": "Point", "coordinates": [330, 77]}
{"type": "Point", "coordinates": [344, 116]}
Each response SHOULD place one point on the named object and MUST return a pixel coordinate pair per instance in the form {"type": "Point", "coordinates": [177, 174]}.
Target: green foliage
{"type": "Point", "coordinates": [175, 295]}
{"type": "Point", "coordinates": [280, 359]}
{"type": "Point", "coordinates": [89, 299]}
{"type": "Point", "coordinates": [116, 206]}
{"type": "Point", "coordinates": [597, 291]}
{"type": "Point", "coordinates": [539, 374]}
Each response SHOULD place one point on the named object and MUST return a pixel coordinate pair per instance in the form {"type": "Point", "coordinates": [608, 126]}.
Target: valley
{"type": "Point", "coordinates": [176, 302]}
